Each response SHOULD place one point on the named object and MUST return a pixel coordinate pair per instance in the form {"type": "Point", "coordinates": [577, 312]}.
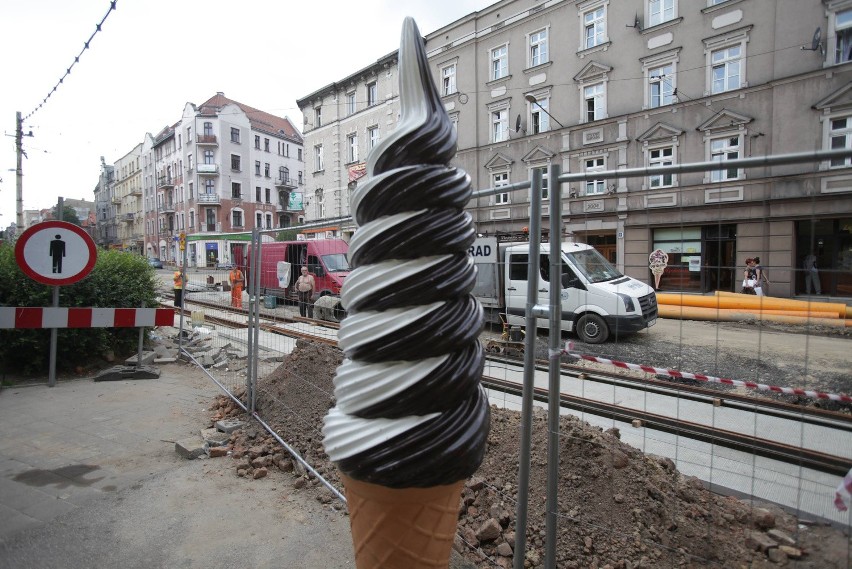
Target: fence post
{"type": "Point", "coordinates": [529, 375]}
{"type": "Point", "coordinates": [554, 375]}
{"type": "Point", "coordinates": [255, 330]}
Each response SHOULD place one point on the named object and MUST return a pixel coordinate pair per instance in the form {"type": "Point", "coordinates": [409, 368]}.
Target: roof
{"type": "Point", "coordinates": [260, 120]}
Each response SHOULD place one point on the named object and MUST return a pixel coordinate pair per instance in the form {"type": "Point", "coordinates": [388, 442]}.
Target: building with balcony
{"type": "Point", "coordinates": [106, 226]}
{"type": "Point", "coordinates": [592, 85]}
{"type": "Point", "coordinates": [224, 169]}
{"type": "Point", "coordinates": [128, 195]}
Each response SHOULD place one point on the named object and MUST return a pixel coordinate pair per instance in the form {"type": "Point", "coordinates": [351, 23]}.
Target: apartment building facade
{"type": "Point", "coordinates": [224, 169]}
{"type": "Point", "coordinates": [595, 85]}
{"type": "Point", "coordinates": [106, 226]}
{"type": "Point", "coordinates": [127, 194]}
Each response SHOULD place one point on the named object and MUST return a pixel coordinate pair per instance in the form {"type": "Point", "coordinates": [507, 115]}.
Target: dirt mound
{"type": "Point", "coordinates": [618, 508]}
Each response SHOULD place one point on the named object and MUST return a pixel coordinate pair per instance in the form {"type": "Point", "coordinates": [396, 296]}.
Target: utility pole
{"type": "Point", "coordinates": [19, 172]}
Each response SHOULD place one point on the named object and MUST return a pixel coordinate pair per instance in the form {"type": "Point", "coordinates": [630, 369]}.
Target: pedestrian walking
{"type": "Point", "coordinates": [305, 286]}
{"type": "Point", "coordinates": [749, 277]}
{"type": "Point", "coordinates": [762, 286]}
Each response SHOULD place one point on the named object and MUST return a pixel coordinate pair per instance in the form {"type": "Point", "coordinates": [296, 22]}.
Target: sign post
{"type": "Point", "coordinates": [55, 253]}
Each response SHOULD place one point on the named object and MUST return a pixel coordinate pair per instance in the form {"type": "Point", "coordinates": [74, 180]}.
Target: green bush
{"type": "Point", "coordinates": [118, 280]}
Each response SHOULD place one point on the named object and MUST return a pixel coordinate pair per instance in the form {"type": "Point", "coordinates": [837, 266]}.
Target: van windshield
{"type": "Point", "coordinates": [336, 263]}
{"type": "Point", "coordinates": [594, 266]}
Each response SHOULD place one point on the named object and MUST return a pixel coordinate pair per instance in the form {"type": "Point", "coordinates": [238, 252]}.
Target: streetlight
{"type": "Point", "coordinates": [532, 99]}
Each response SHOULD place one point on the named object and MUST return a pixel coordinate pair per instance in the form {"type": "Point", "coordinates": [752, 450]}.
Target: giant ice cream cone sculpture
{"type": "Point", "coordinates": [411, 420]}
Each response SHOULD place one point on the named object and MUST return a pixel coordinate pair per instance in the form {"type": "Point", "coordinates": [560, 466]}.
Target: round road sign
{"type": "Point", "coordinates": [55, 253]}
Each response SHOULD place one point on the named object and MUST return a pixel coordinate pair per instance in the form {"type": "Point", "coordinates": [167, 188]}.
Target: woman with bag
{"type": "Point", "coordinates": [749, 277]}
{"type": "Point", "coordinates": [762, 286]}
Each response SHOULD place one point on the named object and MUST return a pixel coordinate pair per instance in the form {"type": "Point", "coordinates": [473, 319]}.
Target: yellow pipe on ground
{"type": "Point", "coordinates": [733, 315]}
{"type": "Point", "coordinates": [791, 303]}
{"type": "Point", "coordinates": [725, 300]}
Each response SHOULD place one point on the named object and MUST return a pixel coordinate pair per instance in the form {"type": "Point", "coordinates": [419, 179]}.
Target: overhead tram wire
{"type": "Point", "coordinates": [98, 28]}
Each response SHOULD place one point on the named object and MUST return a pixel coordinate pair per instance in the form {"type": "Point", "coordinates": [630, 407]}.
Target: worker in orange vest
{"type": "Point", "coordinates": [237, 281]}
{"type": "Point", "coordinates": [179, 282]}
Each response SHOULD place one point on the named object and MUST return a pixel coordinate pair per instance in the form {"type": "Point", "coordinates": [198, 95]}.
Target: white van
{"type": "Point", "coordinates": [597, 300]}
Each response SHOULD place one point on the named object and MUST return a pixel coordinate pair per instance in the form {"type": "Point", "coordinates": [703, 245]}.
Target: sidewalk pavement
{"type": "Point", "coordinates": [89, 478]}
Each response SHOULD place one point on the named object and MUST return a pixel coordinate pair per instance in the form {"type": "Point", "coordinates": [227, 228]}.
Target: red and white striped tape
{"type": "Point", "coordinates": [38, 317]}
{"type": "Point", "coordinates": [709, 378]}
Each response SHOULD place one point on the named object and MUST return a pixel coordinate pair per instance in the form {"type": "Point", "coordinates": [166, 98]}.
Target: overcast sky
{"type": "Point", "coordinates": [153, 56]}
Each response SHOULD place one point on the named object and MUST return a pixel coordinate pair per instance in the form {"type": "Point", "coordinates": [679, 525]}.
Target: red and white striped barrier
{"type": "Point", "coordinates": [844, 492]}
{"type": "Point", "coordinates": [27, 317]}
{"type": "Point", "coordinates": [709, 378]}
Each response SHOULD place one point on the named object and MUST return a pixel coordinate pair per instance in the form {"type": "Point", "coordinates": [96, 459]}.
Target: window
{"type": "Point", "coordinates": [258, 220]}
{"type": "Point", "coordinates": [722, 150]}
{"type": "Point", "coordinates": [298, 154]}
{"type": "Point", "coordinates": [236, 218]}
{"type": "Point", "coordinates": [266, 144]}
{"type": "Point", "coordinates": [257, 167]}
{"type": "Point", "coordinates": [189, 162]}
{"type": "Point", "coordinates": [318, 162]}
{"type": "Point", "coordinates": [236, 190]}
{"type": "Point", "coordinates": [351, 105]}
{"type": "Point", "coordinates": [283, 174]}
{"type": "Point", "coordinates": [545, 186]}
{"type": "Point", "coordinates": [266, 169]}
{"type": "Point", "coordinates": [235, 135]}
{"type": "Point", "coordinates": [661, 86]}
{"type": "Point", "coordinates": [257, 142]}
{"type": "Point", "coordinates": [594, 27]}
{"type": "Point", "coordinates": [726, 68]}
{"type": "Point", "coordinates": [373, 136]}
{"type": "Point", "coordinates": [595, 187]}
{"type": "Point", "coordinates": [208, 157]}
{"type": "Point", "coordinates": [499, 125]}
{"type": "Point", "coordinates": [372, 94]}
{"type": "Point", "coordinates": [235, 162]}
{"type": "Point", "coordinates": [660, 11]}
{"type": "Point", "coordinates": [448, 80]}
{"type": "Point", "coordinates": [191, 192]}
{"type": "Point", "coordinates": [714, 2]}
{"type": "Point", "coordinates": [191, 219]}
{"type": "Point", "coordinates": [539, 119]}
{"type": "Point", "coordinates": [843, 36]}
{"type": "Point", "coordinates": [257, 194]}
{"type": "Point", "coordinates": [209, 187]}
{"type": "Point", "coordinates": [268, 195]}
{"type": "Point", "coordinates": [208, 129]}
{"type": "Point", "coordinates": [320, 204]}
{"type": "Point", "coordinates": [499, 62]}
{"type": "Point", "coordinates": [594, 102]}
{"type": "Point", "coordinates": [661, 157]}
{"type": "Point", "coordinates": [352, 145]}
{"type": "Point", "coordinates": [841, 137]}
{"type": "Point", "coordinates": [501, 179]}
{"type": "Point", "coordinates": [300, 178]}
{"type": "Point", "coordinates": [318, 117]}
{"type": "Point", "coordinates": [538, 48]}
{"type": "Point", "coordinates": [269, 221]}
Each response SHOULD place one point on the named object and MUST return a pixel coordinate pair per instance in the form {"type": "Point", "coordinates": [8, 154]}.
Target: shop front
{"type": "Point", "coordinates": [699, 259]}
{"type": "Point", "coordinates": [830, 240]}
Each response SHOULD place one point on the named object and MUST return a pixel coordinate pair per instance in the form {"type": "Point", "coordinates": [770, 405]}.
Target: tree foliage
{"type": "Point", "coordinates": [68, 214]}
{"type": "Point", "coordinates": [118, 280]}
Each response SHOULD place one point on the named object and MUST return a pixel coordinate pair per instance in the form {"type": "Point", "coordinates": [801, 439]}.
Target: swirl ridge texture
{"type": "Point", "coordinates": [410, 411]}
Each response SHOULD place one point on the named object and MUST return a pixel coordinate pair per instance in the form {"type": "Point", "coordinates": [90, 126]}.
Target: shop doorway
{"type": "Point", "coordinates": [719, 266]}
{"type": "Point", "coordinates": [831, 241]}
{"type": "Point", "coordinates": [605, 245]}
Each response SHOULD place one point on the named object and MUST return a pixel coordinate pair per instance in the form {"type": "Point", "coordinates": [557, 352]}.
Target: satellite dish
{"type": "Point", "coordinates": [816, 42]}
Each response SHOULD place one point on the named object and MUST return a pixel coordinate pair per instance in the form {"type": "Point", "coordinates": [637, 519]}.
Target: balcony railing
{"type": "Point", "coordinates": [208, 198]}
{"type": "Point", "coordinates": [212, 227]}
{"type": "Point", "coordinates": [168, 207]}
{"type": "Point", "coordinates": [207, 140]}
{"type": "Point", "coordinates": [208, 169]}
{"type": "Point", "coordinates": [165, 182]}
{"type": "Point", "coordinates": [136, 191]}
{"type": "Point", "coordinates": [285, 182]}
{"type": "Point", "coordinates": [128, 217]}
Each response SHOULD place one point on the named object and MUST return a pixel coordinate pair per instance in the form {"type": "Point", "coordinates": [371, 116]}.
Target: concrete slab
{"type": "Point", "coordinates": [147, 359]}
{"type": "Point", "coordinates": [118, 373]}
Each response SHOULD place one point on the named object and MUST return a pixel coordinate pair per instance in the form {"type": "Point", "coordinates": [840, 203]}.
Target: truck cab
{"type": "Point", "coordinates": [597, 301]}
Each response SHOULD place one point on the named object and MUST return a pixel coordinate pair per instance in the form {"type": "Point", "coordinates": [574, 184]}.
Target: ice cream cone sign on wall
{"type": "Point", "coordinates": [411, 420]}
{"type": "Point", "coordinates": [658, 260]}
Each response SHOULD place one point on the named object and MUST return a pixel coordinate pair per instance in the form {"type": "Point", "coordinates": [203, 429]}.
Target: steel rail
{"type": "Point", "coordinates": [822, 462]}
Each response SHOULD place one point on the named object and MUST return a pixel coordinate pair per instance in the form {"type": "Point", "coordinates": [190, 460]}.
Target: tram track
{"type": "Point", "coordinates": [831, 421]}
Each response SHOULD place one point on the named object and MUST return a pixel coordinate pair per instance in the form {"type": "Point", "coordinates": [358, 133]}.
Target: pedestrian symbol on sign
{"type": "Point", "coordinates": [57, 251]}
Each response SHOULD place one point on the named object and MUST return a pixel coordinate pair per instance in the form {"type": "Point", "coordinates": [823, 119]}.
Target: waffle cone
{"type": "Point", "coordinates": [407, 528]}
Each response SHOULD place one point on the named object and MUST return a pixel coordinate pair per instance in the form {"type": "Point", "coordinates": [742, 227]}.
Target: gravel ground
{"type": "Point", "coordinates": [619, 508]}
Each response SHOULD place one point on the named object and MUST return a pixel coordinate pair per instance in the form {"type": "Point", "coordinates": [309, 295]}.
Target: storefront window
{"type": "Point", "coordinates": [683, 246]}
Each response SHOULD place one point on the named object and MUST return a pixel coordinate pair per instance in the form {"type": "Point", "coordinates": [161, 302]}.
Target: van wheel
{"type": "Point", "coordinates": [592, 329]}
